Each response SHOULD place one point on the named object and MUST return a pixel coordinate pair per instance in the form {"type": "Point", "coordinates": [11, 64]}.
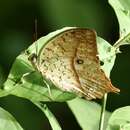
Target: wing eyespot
{"type": "Point", "coordinates": [79, 61]}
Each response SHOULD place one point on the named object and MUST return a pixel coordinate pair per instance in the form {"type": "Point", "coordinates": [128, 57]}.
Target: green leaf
{"type": "Point", "coordinates": [34, 84]}
{"type": "Point", "coordinates": [120, 119]}
{"type": "Point", "coordinates": [122, 9]}
{"type": "Point", "coordinates": [53, 121]}
{"type": "Point", "coordinates": [87, 113]}
{"type": "Point", "coordinates": [107, 54]}
{"type": "Point", "coordinates": [8, 122]}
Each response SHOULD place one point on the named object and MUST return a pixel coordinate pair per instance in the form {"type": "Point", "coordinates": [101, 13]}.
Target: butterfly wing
{"type": "Point", "coordinates": [56, 62]}
{"type": "Point", "coordinates": [70, 61]}
{"type": "Point", "coordinates": [92, 79]}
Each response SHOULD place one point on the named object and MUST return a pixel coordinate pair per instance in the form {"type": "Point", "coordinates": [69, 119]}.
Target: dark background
{"type": "Point", "coordinates": [17, 33]}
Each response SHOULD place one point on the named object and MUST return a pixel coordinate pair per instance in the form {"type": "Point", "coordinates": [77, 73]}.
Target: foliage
{"type": "Point", "coordinates": [26, 83]}
{"type": "Point", "coordinates": [8, 122]}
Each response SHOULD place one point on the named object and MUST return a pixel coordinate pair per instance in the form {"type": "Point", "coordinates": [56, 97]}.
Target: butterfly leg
{"type": "Point", "coordinates": [25, 75]}
{"type": "Point", "coordinates": [49, 90]}
{"type": "Point", "coordinates": [21, 79]}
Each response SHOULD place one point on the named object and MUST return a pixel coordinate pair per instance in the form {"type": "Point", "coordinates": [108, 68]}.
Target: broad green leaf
{"type": "Point", "coordinates": [33, 86]}
{"type": "Point", "coordinates": [122, 9]}
{"type": "Point", "coordinates": [8, 122]}
{"type": "Point", "coordinates": [120, 119]}
{"type": "Point", "coordinates": [107, 54]}
{"type": "Point", "coordinates": [53, 121]}
{"type": "Point", "coordinates": [87, 113]}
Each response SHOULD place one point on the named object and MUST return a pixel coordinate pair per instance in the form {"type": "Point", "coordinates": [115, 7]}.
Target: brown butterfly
{"type": "Point", "coordinates": [70, 61]}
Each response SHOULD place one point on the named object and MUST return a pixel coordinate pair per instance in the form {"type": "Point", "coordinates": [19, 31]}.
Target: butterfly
{"type": "Point", "coordinates": [70, 61]}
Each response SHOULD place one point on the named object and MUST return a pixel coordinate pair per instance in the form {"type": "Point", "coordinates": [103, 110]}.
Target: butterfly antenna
{"type": "Point", "coordinates": [35, 36]}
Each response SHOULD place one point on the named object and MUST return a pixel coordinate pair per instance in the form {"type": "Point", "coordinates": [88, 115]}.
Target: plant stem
{"type": "Point", "coordinates": [122, 40]}
{"type": "Point", "coordinates": [102, 116]}
{"type": "Point", "coordinates": [52, 119]}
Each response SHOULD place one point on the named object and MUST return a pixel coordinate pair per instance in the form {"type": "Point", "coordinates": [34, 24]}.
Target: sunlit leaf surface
{"type": "Point", "coordinates": [8, 122]}
{"type": "Point", "coordinates": [120, 119]}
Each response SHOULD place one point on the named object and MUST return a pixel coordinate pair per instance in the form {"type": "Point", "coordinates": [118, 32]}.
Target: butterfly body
{"type": "Point", "coordinates": [70, 61]}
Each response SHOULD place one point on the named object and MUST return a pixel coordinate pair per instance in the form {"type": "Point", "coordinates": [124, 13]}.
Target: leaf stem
{"type": "Point", "coordinates": [122, 40]}
{"type": "Point", "coordinates": [102, 116]}
{"type": "Point", "coordinates": [52, 119]}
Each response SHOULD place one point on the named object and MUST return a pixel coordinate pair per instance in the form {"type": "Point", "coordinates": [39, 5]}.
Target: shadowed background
{"type": "Point", "coordinates": [17, 33]}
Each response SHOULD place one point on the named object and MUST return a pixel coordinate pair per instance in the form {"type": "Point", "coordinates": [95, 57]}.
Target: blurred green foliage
{"type": "Point", "coordinates": [17, 33]}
